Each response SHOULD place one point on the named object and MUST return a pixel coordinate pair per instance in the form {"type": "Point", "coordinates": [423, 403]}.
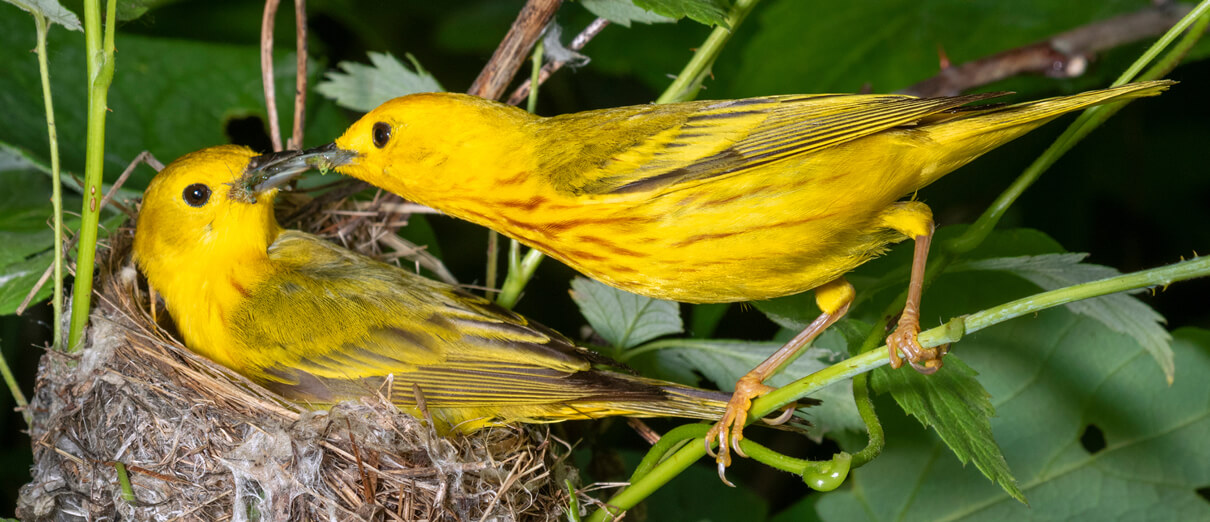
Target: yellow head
{"type": "Point", "coordinates": [202, 239]}
{"type": "Point", "coordinates": [433, 146]}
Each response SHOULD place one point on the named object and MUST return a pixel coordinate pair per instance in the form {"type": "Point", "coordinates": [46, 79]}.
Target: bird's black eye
{"type": "Point", "coordinates": [196, 195]}
{"type": "Point", "coordinates": [382, 134]}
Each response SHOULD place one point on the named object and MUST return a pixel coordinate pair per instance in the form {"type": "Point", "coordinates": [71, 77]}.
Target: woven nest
{"type": "Point", "coordinates": [200, 442]}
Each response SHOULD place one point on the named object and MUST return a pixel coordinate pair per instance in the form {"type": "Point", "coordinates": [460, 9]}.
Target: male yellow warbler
{"type": "Point", "coordinates": [708, 201]}
{"type": "Point", "coordinates": [321, 324]}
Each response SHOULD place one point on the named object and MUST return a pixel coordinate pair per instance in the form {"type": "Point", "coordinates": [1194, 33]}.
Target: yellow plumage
{"type": "Point", "coordinates": [320, 324]}
{"type": "Point", "coordinates": [697, 202]}
{"type": "Point", "coordinates": [710, 201]}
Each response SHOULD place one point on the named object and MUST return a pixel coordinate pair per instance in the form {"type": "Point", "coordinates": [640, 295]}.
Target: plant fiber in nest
{"type": "Point", "coordinates": [202, 443]}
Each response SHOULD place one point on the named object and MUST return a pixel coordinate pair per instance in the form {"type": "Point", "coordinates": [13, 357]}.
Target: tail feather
{"type": "Point", "coordinates": [967, 134]}
{"type": "Point", "coordinates": [1030, 115]}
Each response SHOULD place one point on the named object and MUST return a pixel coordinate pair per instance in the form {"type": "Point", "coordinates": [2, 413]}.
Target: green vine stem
{"type": "Point", "coordinates": [520, 271]}
{"type": "Point", "coordinates": [100, 73]}
{"type": "Point", "coordinates": [689, 81]}
{"type": "Point", "coordinates": [950, 332]}
{"type": "Point", "coordinates": [869, 417]}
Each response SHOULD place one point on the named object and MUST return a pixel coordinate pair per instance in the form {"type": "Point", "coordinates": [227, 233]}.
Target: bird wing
{"type": "Point", "coordinates": [333, 325]}
{"type": "Point", "coordinates": [656, 146]}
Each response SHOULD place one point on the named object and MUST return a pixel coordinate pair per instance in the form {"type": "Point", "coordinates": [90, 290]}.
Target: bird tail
{"type": "Point", "coordinates": [683, 401]}
{"type": "Point", "coordinates": [970, 131]}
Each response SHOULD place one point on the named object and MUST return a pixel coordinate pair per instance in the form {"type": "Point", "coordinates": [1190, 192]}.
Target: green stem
{"type": "Point", "coordinates": [825, 475]}
{"type": "Point", "coordinates": [124, 483]}
{"type": "Point", "coordinates": [56, 198]}
{"type": "Point", "coordinates": [667, 443]}
{"type": "Point", "coordinates": [689, 81]}
{"type": "Point", "coordinates": [865, 408]}
{"type": "Point", "coordinates": [521, 271]}
{"type": "Point", "coordinates": [100, 73]}
{"type": "Point", "coordinates": [573, 503]}
{"type": "Point", "coordinates": [534, 74]}
{"type": "Point", "coordinates": [15, 389]}
{"type": "Point", "coordinates": [950, 332]}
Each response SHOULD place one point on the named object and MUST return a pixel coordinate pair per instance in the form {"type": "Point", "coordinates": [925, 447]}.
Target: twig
{"type": "Point", "coordinates": [513, 49]}
{"type": "Point", "coordinates": [643, 430]}
{"type": "Point", "coordinates": [266, 71]}
{"type": "Point", "coordinates": [300, 72]}
{"type": "Point", "coordinates": [1065, 55]}
{"type": "Point", "coordinates": [577, 43]}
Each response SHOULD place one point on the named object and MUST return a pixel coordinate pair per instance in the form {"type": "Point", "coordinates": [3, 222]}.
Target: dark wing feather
{"type": "Point", "coordinates": [652, 147]}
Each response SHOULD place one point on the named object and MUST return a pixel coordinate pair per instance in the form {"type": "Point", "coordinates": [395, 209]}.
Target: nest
{"type": "Point", "coordinates": [200, 442]}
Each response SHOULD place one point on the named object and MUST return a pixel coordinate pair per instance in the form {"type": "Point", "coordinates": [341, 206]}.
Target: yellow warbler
{"type": "Point", "coordinates": [320, 324]}
{"type": "Point", "coordinates": [707, 201]}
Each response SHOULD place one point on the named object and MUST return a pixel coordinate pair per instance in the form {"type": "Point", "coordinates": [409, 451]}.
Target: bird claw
{"type": "Point", "coordinates": [729, 430]}
{"type": "Point", "coordinates": [925, 360]}
{"type": "Point", "coordinates": [787, 413]}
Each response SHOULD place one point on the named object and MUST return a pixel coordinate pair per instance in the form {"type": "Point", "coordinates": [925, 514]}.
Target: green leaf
{"type": "Point", "coordinates": [725, 361]}
{"type": "Point", "coordinates": [704, 319]}
{"type": "Point", "coordinates": [707, 12]}
{"type": "Point", "coordinates": [16, 279]}
{"type": "Point", "coordinates": [886, 45]}
{"type": "Point", "coordinates": [133, 9]}
{"type": "Point", "coordinates": [1122, 313]}
{"type": "Point", "coordinates": [624, 319]}
{"type": "Point", "coordinates": [623, 12]}
{"type": "Point", "coordinates": [1051, 377]}
{"type": "Point", "coordinates": [953, 403]}
{"type": "Point", "coordinates": [52, 10]}
{"type": "Point", "coordinates": [169, 96]}
{"type": "Point", "coordinates": [362, 87]}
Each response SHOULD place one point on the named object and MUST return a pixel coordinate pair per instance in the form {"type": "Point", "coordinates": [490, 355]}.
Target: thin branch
{"type": "Point", "coordinates": [300, 72]}
{"type": "Point", "coordinates": [513, 50]}
{"type": "Point", "coordinates": [578, 43]}
{"type": "Point", "coordinates": [266, 71]}
{"type": "Point", "coordinates": [1065, 55]}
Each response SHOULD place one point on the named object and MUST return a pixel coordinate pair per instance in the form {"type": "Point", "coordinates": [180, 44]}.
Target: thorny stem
{"type": "Point", "coordinates": [689, 81]}
{"type": "Point", "coordinates": [100, 73]}
{"type": "Point", "coordinates": [43, 26]}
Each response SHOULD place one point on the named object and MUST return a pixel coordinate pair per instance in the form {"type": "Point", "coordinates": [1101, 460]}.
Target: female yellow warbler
{"type": "Point", "coordinates": [709, 201]}
{"type": "Point", "coordinates": [320, 324]}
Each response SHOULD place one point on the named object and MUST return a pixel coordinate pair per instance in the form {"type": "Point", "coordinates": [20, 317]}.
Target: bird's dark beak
{"type": "Point", "coordinates": [275, 169]}
{"type": "Point", "coordinates": [328, 157]}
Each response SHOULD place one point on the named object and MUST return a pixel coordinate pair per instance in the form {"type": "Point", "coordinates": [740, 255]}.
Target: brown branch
{"type": "Point", "coordinates": [266, 71]}
{"type": "Point", "coordinates": [1065, 55]}
{"type": "Point", "coordinates": [515, 47]}
{"type": "Point", "coordinates": [300, 74]}
{"type": "Point", "coordinates": [578, 43]}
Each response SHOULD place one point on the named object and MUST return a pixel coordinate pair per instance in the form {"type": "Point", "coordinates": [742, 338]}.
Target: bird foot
{"type": "Point", "coordinates": [729, 430]}
{"type": "Point", "coordinates": [925, 360]}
